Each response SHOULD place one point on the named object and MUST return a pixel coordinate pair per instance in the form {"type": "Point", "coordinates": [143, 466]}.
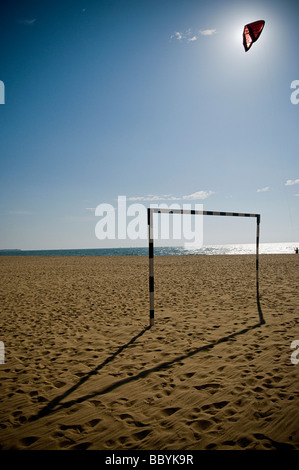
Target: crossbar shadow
{"type": "Point", "coordinates": [56, 404]}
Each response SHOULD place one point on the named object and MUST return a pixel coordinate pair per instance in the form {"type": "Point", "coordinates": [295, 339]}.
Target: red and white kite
{"type": "Point", "coordinates": [251, 33]}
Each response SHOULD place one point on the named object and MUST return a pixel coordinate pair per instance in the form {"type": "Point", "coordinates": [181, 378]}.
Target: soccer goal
{"type": "Point", "coordinates": [152, 211]}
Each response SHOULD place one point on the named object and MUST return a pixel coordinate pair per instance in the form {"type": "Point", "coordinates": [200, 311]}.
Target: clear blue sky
{"type": "Point", "coordinates": [146, 97]}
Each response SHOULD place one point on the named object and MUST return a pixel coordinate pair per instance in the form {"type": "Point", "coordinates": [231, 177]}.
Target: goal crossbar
{"type": "Point", "coordinates": [154, 210]}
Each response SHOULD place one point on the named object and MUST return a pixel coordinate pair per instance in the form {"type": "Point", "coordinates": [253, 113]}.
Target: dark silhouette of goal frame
{"type": "Point", "coordinates": [151, 211]}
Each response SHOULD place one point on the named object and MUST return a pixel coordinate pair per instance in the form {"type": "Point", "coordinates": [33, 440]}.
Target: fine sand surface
{"type": "Point", "coordinates": [83, 370]}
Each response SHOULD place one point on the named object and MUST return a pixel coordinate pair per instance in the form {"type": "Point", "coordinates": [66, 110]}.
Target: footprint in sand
{"type": "Point", "coordinates": [189, 375]}
{"type": "Point", "coordinates": [142, 434]}
{"type": "Point", "coordinates": [92, 423]}
{"type": "Point", "coordinates": [66, 443]}
{"type": "Point", "coordinates": [59, 383]}
{"type": "Point", "coordinates": [200, 424]}
{"type": "Point", "coordinates": [123, 440]}
{"type": "Point", "coordinates": [210, 387]}
{"type": "Point", "coordinates": [130, 420]}
{"type": "Point", "coordinates": [110, 443]}
{"type": "Point", "coordinates": [28, 441]}
{"type": "Point", "coordinates": [215, 406]}
{"type": "Point", "coordinates": [170, 411]}
{"type": "Point", "coordinates": [244, 442]}
{"type": "Point", "coordinates": [73, 427]}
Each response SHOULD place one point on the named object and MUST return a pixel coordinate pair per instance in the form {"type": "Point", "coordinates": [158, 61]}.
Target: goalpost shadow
{"type": "Point", "coordinates": [57, 404]}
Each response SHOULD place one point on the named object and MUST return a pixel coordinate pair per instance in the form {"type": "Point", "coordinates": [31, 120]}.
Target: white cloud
{"type": "Point", "coordinates": [153, 197]}
{"type": "Point", "coordinates": [263, 190]}
{"type": "Point", "coordinates": [189, 36]}
{"type": "Point", "coordinates": [291, 182]}
{"type": "Point", "coordinates": [208, 32]}
{"type": "Point", "coordinates": [149, 197]}
{"type": "Point", "coordinates": [177, 35]}
{"type": "Point", "coordinates": [20, 212]}
{"type": "Point", "coordinates": [170, 197]}
{"type": "Point", "coordinates": [28, 22]}
{"type": "Point", "coordinates": [199, 195]}
{"type": "Point", "coordinates": [79, 218]}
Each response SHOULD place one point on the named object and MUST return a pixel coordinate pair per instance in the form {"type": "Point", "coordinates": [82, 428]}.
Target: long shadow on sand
{"type": "Point", "coordinates": [57, 404]}
{"type": "Point", "coordinates": [54, 404]}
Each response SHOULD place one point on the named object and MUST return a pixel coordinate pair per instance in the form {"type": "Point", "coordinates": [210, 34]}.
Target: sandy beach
{"type": "Point", "coordinates": [84, 371]}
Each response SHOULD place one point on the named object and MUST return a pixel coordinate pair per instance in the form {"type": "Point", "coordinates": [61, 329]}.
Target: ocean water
{"type": "Point", "coordinates": [238, 249]}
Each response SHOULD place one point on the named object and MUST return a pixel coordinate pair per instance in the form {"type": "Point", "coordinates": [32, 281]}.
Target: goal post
{"type": "Point", "coordinates": [151, 211]}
